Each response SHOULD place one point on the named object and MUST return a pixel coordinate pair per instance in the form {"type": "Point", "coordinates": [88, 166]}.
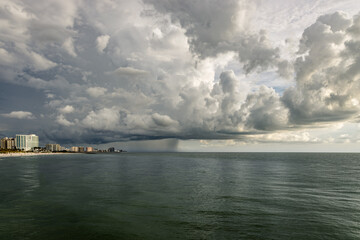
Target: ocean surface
{"type": "Point", "coordinates": [181, 196]}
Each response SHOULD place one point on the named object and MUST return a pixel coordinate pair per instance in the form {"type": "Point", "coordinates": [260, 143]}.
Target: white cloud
{"type": "Point", "coordinates": [5, 57]}
{"type": "Point", "coordinates": [211, 32]}
{"type": "Point", "coordinates": [19, 115]}
{"type": "Point", "coordinates": [129, 71]}
{"type": "Point", "coordinates": [67, 109]}
{"type": "Point", "coordinates": [102, 42]}
{"type": "Point", "coordinates": [68, 45]}
{"type": "Point", "coordinates": [63, 121]}
{"type": "Point", "coordinates": [104, 119]}
{"type": "Point", "coordinates": [50, 95]}
{"type": "Point", "coordinates": [38, 62]}
{"type": "Point", "coordinates": [96, 91]}
{"type": "Point", "coordinates": [285, 137]}
{"type": "Point", "coordinates": [163, 120]}
{"type": "Point", "coordinates": [327, 73]}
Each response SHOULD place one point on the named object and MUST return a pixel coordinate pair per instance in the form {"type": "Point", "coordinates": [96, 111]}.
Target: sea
{"type": "Point", "coordinates": [181, 196]}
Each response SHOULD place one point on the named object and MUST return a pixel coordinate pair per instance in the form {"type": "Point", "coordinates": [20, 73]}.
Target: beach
{"type": "Point", "coordinates": [21, 154]}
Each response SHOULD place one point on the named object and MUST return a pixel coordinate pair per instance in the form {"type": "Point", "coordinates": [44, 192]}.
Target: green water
{"type": "Point", "coordinates": [181, 196]}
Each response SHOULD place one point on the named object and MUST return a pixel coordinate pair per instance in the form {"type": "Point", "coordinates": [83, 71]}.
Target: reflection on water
{"type": "Point", "coordinates": [181, 196]}
{"type": "Point", "coordinates": [29, 175]}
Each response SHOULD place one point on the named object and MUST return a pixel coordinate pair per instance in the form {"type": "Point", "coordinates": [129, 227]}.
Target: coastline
{"type": "Point", "coordinates": [23, 154]}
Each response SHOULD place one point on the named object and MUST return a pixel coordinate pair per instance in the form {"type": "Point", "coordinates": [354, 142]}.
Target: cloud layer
{"type": "Point", "coordinates": [122, 71]}
{"type": "Point", "coordinates": [19, 115]}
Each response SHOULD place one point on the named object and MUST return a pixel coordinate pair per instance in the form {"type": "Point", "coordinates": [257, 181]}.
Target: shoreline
{"type": "Point", "coordinates": [23, 154]}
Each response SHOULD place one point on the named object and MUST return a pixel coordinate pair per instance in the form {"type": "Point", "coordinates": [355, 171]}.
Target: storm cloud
{"type": "Point", "coordinates": [120, 71]}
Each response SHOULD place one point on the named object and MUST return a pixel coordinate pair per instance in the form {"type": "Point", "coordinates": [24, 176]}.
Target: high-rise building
{"type": "Point", "coordinates": [53, 147]}
{"type": "Point", "coordinates": [7, 143]}
{"type": "Point", "coordinates": [89, 149]}
{"type": "Point", "coordinates": [75, 149]}
{"type": "Point", "coordinates": [10, 143]}
{"type": "Point", "coordinates": [3, 143]}
{"type": "Point", "coordinates": [26, 142]}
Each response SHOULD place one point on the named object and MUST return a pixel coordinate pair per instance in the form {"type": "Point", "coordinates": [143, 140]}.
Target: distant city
{"type": "Point", "coordinates": [30, 143]}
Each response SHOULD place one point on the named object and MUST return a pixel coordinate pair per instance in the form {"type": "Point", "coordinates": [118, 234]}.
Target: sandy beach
{"type": "Point", "coordinates": [22, 154]}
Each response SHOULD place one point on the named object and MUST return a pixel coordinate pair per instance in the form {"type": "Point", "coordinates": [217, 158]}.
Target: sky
{"type": "Point", "coordinates": [178, 75]}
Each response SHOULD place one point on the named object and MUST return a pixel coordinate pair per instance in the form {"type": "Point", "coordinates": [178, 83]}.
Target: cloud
{"type": "Point", "coordinates": [63, 121]}
{"type": "Point", "coordinates": [68, 45]}
{"type": "Point", "coordinates": [5, 57]}
{"type": "Point", "coordinates": [160, 145]}
{"type": "Point", "coordinates": [19, 115]}
{"type": "Point", "coordinates": [265, 111]}
{"type": "Point", "coordinates": [337, 21]}
{"type": "Point", "coordinates": [96, 91]}
{"type": "Point", "coordinates": [30, 31]}
{"type": "Point", "coordinates": [175, 69]}
{"type": "Point", "coordinates": [163, 120]}
{"type": "Point", "coordinates": [102, 42]}
{"type": "Point", "coordinates": [38, 62]}
{"type": "Point", "coordinates": [326, 73]}
{"type": "Point", "coordinates": [284, 137]}
{"type": "Point", "coordinates": [66, 109]}
{"type": "Point", "coordinates": [211, 32]}
{"type": "Point", "coordinates": [103, 119]}
{"type": "Point", "coordinates": [129, 71]}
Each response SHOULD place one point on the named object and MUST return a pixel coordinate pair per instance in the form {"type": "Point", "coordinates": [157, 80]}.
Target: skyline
{"type": "Point", "coordinates": [183, 75]}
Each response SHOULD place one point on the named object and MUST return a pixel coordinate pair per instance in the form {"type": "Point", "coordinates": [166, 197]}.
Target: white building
{"type": "Point", "coordinates": [53, 147]}
{"type": "Point", "coordinates": [26, 142]}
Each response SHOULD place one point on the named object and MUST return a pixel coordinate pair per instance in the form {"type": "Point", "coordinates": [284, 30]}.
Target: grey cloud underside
{"type": "Point", "coordinates": [149, 74]}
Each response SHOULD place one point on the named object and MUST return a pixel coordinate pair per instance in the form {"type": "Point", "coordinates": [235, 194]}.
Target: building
{"type": "Point", "coordinates": [111, 149]}
{"type": "Point", "coordinates": [7, 143]}
{"type": "Point", "coordinates": [26, 142]}
{"type": "Point", "coordinates": [89, 149]}
{"type": "Point", "coordinates": [81, 149]}
{"type": "Point", "coordinates": [3, 143]}
{"type": "Point", "coordinates": [53, 147]}
{"type": "Point", "coordinates": [74, 149]}
{"type": "Point", "coordinates": [10, 143]}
